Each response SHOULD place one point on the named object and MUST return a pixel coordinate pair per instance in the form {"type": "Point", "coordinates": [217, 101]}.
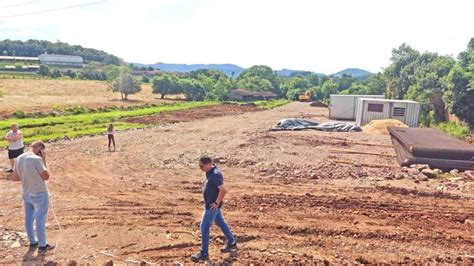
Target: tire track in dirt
{"type": "Point", "coordinates": [367, 208]}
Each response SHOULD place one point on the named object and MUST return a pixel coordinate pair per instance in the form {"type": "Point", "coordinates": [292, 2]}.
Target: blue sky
{"type": "Point", "coordinates": [322, 36]}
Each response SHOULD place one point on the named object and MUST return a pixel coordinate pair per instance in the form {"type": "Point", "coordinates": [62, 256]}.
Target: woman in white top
{"type": "Point", "coordinates": [110, 135]}
{"type": "Point", "coordinates": [15, 145]}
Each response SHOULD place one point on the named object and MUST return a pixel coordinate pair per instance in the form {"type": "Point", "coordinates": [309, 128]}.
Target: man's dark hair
{"type": "Point", "coordinates": [205, 160]}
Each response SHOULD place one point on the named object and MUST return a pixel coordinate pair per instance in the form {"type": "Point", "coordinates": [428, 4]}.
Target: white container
{"type": "Point", "coordinates": [345, 106]}
{"type": "Point", "coordinates": [373, 109]}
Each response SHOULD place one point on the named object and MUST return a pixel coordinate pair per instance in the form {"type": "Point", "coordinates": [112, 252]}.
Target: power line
{"type": "Point", "coordinates": [54, 9]}
{"type": "Point", "coordinates": [20, 4]}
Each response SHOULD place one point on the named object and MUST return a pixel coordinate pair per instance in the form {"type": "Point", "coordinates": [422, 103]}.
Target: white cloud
{"type": "Point", "coordinates": [323, 36]}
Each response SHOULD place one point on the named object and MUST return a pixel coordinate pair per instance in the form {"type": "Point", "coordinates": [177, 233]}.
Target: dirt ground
{"type": "Point", "coordinates": [36, 95]}
{"type": "Point", "coordinates": [294, 197]}
{"type": "Point", "coordinates": [193, 114]}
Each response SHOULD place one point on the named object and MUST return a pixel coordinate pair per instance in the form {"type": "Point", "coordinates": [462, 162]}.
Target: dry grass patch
{"type": "Point", "coordinates": [35, 95]}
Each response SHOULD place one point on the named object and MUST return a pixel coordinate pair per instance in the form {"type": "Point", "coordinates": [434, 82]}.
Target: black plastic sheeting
{"type": "Point", "coordinates": [338, 126]}
{"type": "Point", "coordinates": [300, 124]}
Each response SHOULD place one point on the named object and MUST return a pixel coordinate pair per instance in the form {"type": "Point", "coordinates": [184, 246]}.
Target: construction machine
{"type": "Point", "coordinates": [305, 97]}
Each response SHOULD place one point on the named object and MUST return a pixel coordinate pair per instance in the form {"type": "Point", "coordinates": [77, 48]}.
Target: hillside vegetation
{"type": "Point", "coordinates": [33, 48]}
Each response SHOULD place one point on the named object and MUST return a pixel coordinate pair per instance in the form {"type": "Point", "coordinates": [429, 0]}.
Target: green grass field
{"type": "Point", "coordinates": [53, 128]}
{"type": "Point", "coordinates": [271, 104]}
{"type": "Point", "coordinates": [19, 75]}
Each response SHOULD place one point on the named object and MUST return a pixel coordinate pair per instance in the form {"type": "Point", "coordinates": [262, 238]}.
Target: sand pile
{"type": "Point", "coordinates": [380, 126]}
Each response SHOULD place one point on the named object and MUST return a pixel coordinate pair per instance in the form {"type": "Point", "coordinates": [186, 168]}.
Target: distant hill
{"type": "Point", "coordinates": [355, 72]}
{"type": "Point", "coordinates": [226, 68]}
{"type": "Point", "coordinates": [291, 73]}
{"type": "Point", "coordinates": [33, 48]}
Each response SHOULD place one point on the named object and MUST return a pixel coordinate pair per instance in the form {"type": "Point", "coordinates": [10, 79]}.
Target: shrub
{"type": "Point", "coordinates": [75, 110]}
{"type": "Point", "coordinates": [455, 129]}
{"type": "Point", "coordinates": [19, 114]}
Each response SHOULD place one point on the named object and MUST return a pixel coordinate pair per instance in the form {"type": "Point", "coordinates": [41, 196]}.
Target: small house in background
{"type": "Point", "coordinates": [344, 106]}
{"type": "Point", "coordinates": [61, 60]}
{"type": "Point", "coordinates": [266, 95]}
{"type": "Point", "coordinates": [373, 109]}
{"type": "Point", "coordinates": [244, 95]}
{"type": "Point", "coordinates": [240, 95]}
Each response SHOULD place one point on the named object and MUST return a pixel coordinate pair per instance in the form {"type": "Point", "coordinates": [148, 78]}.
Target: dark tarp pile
{"type": "Point", "coordinates": [432, 147]}
{"type": "Point", "coordinates": [300, 124]}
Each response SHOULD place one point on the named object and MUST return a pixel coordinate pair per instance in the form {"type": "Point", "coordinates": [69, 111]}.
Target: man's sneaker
{"type": "Point", "coordinates": [229, 247]}
{"type": "Point", "coordinates": [9, 170]}
{"type": "Point", "coordinates": [47, 247]}
{"type": "Point", "coordinates": [34, 245]}
{"type": "Point", "coordinates": [199, 257]}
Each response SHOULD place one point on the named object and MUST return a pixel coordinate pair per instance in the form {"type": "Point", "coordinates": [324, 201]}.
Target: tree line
{"type": "Point", "coordinates": [442, 84]}
{"type": "Point", "coordinates": [34, 48]}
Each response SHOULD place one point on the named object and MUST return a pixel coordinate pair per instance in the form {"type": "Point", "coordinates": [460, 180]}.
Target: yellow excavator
{"type": "Point", "coordinates": [305, 97]}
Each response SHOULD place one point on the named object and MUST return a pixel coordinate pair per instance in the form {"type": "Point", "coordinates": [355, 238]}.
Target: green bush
{"type": "Point", "coordinates": [455, 129]}
{"type": "Point", "coordinates": [75, 110]}
{"type": "Point", "coordinates": [19, 114]}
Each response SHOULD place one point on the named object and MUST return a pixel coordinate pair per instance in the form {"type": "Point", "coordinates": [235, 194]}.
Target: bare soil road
{"type": "Point", "coordinates": [295, 197]}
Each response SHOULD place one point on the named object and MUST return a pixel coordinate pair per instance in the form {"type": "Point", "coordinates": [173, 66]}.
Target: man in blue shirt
{"type": "Point", "coordinates": [214, 192]}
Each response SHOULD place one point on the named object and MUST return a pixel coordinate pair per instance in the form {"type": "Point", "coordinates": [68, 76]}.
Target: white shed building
{"type": "Point", "coordinates": [372, 109]}
{"type": "Point", "coordinates": [61, 60]}
{"type": "Point", "coordinates": [345, 106]}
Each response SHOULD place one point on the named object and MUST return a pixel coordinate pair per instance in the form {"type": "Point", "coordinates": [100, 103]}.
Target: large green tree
{"type": "Point", "coordinates": [126, 85]}
{"type": "Point", "coordinates": [193, 90]}
{"type": "Point", "coordinates": [430, 84]}
{"type": "Point", "coordinates": [400, 73]}
{"type": "Point", "coordinates": [329, 87]}
{"type": "Point", "coordinates": [295, 86]}
{"type": "Point", "coordinates": [113, 71]}
{"type": "Point", "coordinates": [460, 94]}
{"type": "Point", "coordinates": [260, 78]}
{"type": "Point", "coordinates": [166, 84]}
{"type": "Point", "coordinates": [221, 89]}
{"type": "Point", "coordinates": [420, 77]}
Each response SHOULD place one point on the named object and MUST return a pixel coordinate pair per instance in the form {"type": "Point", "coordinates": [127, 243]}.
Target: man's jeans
{"type": "Point", "coordinates": [208, 218]}
{"type": "Point", "coordinates": [36, 208]}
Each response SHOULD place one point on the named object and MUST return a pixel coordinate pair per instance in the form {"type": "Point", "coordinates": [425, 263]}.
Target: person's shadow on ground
{"type": "Point", "coordinates": [229, 260]}
{"type": "Point", "coordinates": [232, 257]}
{"type": "Point", "coordinates": [29, 257]}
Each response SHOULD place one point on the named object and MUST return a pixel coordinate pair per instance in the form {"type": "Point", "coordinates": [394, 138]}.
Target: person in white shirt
{"type": "Point", "coordinates": [110, 135]}
{"type": "Point", "coordinates": [31, 170]}
{"type": "Point", "coordinates": [16, 147]}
